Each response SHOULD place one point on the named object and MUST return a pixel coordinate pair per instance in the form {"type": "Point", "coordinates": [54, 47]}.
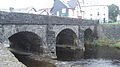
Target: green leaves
{"type": "Point", "coordinates": [113, 12]}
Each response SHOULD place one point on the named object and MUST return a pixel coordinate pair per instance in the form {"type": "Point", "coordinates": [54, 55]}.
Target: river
{"type": "Point", "coordinates": [94, 56]}
{"type": "Point", "coordinates": [90, 63]}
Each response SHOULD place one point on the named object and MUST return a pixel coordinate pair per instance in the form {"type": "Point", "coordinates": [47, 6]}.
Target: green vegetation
{"type": "Point", "coordinates": [113, 12]}
{"type": "Point", "coordinates": [117, 44]}
{"type": "Point", "coordinates": [105, 42]}
{"type": "Point", "coordinates": [109, 23]}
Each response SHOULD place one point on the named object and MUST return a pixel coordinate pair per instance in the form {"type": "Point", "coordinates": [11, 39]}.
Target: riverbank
{"type": "Point", "coordinates": [7, 59]}
{"type": "Point", "coordinates": [105, 42]}
{"type": "Point", "coordinates": [101, 52]}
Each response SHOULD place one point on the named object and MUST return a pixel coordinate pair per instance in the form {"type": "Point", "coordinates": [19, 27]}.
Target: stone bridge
{"type": "Point", "coordinates": [47, 35]}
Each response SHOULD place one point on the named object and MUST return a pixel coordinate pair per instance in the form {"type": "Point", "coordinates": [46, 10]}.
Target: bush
{"type": "Point", "coordinates": [105, 42]}
{"type": "Point", "coordinates": [117, 45]}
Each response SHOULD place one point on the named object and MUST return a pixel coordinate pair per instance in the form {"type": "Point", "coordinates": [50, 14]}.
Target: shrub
{"type": "Point", "coordinates": [117, 45]}
{"type": "Point", "coordinates": [105, 42]}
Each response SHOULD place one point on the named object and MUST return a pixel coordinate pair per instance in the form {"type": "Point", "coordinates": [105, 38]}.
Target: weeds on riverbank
{"type": "Point", "coordinates": [110, 23]}
{"type": "Point", "coordinates": [105, 42]}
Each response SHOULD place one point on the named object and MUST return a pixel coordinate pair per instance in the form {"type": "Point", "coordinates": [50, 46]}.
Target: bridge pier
{"type": "Point", "coordinates": [51, 41]}
{"type": "Point", "coordinates": [81, 38]}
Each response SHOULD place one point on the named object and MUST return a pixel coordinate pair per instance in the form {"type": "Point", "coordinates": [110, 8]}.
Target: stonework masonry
{"type": "Point", "coordinates": [46, 27]}
{"type": "Point", "coordinates": [7, 59]}
{"type": "Point", "coordinates": [111, 31]}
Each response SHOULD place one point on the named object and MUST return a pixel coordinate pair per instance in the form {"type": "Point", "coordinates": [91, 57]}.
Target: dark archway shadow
{"type": "Point", "coordinates": [66, 46]}
{"type": "Point", "coordinates": [26, 42]}
{"type": "Point", "coordinates": [88, 35]}
{"type": "Point", "coordinates": [88, 39]}
{"type": "Point", "coordinates": [25, 45]}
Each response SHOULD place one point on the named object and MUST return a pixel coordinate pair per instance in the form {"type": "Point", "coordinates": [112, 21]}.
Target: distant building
{"type": "Point", "coordinates": [31, 10]}
{"type": "Point", "coordinates": [23, 10]}
{"type": "Point", "coordinates": [44, 11]}
{"type": "Point", "coordinates": [5, 10]}
{"type": "Point", "coordinates": [69, 8]}
{"type": "Point", "coordinates": [96, 12]}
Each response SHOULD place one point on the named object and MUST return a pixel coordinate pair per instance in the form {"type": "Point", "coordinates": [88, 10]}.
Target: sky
{"type": "Point", "coordinates": [26, 3]}
{"type": "Point", "coordinates": [38, 4]}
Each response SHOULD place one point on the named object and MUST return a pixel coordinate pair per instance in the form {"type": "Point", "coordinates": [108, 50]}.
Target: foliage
{"type": "Point", "coordinates": [117, 45]}
{"type": "Point", "coordinates": [109, 23]}
{"type": "Point", "coordinates": [105, 42]}
{"type": "Point", "coordinates": [113, 12]}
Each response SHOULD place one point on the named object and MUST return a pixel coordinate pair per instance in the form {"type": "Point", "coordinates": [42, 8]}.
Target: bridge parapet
{"type": "Point", "coordinates": [30, 19]}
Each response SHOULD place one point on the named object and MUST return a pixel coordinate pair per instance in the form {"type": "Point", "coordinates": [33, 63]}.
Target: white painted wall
{"type": "Point", "coordinates": [75, 13]}
{"type": "Point", "coordinates": [118, 18]}
{"type": "Point", "coordinates": [91, 12]}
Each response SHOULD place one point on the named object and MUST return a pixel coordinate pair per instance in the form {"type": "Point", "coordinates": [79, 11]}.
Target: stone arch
{"type": "Point", "coordinates": [88, 35]}
{"type": "Point", "coordinates": [66, 45]}
{"type": "Point", "coordinates": [10, 32]}
{"type": "Point", "coordinates": [26, 41]}
{"type": "Point", "coordinates": [66, 36]}
{"type": "Point", "coordinates": [59, 28]}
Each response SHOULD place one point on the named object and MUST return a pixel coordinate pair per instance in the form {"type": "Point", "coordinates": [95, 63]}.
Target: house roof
{"type": "Point", "coordinates": [73, 3]}
{"type": "Point", "coordinates": [70, 3]}
{"type": "Point", "coordinates": [23, 10]}
{"type": "Point", "coordinates": [65, 2]}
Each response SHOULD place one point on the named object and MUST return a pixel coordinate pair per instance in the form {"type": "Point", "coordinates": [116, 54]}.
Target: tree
{"type": "Point", "coordinates": [113, 12]}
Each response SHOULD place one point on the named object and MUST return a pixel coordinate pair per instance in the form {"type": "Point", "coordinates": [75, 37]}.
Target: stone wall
{"type": "Point", "coordinates": [7, 59]}
{"type": "Point", "coordinates": [111, 31]}
{"type": "Point", "coordinates": [33, 19]}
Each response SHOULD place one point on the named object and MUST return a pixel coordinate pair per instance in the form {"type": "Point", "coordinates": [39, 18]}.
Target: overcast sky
{"type": "Point", "coordinates": [42, 3]}
{"type": "Point", "coordinates": [26, 3]}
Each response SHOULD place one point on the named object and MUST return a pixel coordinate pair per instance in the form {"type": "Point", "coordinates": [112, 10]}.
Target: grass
{"type": "Point", "coordinates": [117, 45]}
{"type": "Point", "coordinates": [105, 42]}
{"type": "Point", "coordinates": [109, 23]}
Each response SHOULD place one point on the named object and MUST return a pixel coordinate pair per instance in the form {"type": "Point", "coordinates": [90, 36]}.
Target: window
{"type": "Point", "coordinates": [90, 14]}
{"type": "Point", "coordinates": [98, 14]}
{"type": "Point", "coordinates": [104, 14]}
{"type": "Point", "coordinates": [98, 21]}
{"type": "Point", "coordinates": [104, 20]}
{"type": "Point", "coordinates": [64, 10]}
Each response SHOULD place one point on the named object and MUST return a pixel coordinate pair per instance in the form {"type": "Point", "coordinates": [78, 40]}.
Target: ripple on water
{"type": "Point", "coordinates": [90, 63]}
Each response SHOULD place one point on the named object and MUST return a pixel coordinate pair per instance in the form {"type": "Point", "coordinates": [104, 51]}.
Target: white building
{"type": "Point", "coordinates": [118, 18]}
{"type": "Point", "coordinates": [96, 12]}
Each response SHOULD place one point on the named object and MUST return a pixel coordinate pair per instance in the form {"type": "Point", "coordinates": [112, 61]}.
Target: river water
{"type": "Point", "coordinates": [90, 63]}
{"type": "Point", "coordinates": [94, 56]}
